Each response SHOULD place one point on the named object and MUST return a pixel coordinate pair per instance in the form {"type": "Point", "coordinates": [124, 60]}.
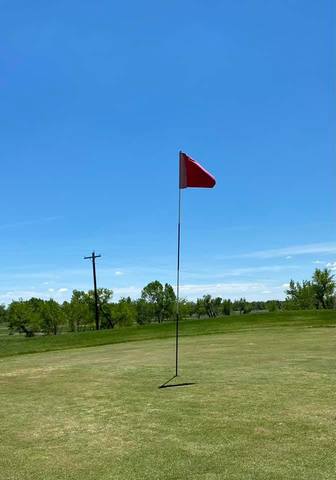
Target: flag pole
{"type": "Point", "coordinates": [178, 273]}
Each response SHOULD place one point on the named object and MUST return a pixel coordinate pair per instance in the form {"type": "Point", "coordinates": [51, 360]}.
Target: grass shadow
{"type": "Point", "coordinates": [167, 384]}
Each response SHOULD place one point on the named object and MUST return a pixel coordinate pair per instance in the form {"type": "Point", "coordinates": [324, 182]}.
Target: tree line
{"type": "Point", "coordinates": [156, 304]}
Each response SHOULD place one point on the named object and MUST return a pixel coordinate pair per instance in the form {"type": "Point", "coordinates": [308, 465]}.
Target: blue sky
{"type": "Point", "coordinates": [98, 97]}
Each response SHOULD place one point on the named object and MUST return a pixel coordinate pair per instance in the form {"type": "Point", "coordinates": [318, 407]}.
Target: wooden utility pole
{"type": "Point", "coordinates": [93, 258]}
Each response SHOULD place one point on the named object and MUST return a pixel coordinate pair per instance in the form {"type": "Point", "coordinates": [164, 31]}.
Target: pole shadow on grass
{"type": "Point", "coordinates": [167, 384]}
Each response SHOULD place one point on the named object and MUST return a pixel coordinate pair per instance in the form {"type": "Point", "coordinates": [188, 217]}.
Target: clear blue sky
{"type": "Point", "coordinates": [98, 97]}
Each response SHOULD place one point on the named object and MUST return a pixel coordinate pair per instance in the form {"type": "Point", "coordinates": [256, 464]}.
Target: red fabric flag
{"type": "Point", "coordinates": [192, 174]}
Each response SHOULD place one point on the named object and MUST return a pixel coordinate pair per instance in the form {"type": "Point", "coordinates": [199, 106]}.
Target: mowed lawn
{"type": "Point", "coordinates": [263, 406]}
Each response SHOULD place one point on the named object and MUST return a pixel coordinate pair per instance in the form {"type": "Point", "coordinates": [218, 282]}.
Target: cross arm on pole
{"type": "Point", "coordinates": [91, 257]}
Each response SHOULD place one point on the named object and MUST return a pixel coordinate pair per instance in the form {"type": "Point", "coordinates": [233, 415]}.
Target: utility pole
{"type": "Point", "coordinates": [93, 258]}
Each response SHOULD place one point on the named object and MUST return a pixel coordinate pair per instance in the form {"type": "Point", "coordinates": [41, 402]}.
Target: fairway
{"type": "Point", "coordinates": [262, 407]}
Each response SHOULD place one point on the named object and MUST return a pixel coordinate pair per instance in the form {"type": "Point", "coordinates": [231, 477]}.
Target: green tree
{"type": "Point", "coordinates": [3, 314]}
{"type": "Point", "coordinates": [104, 298]}
{"type": "Point", "coordinates": [200, 310]}
{"type": "Point", "coordinates": [162, 298]}
{"type": "Point", "coordinates": [226, 307]}
{"type": "Point", "coordinates": [79, 311]}
{"type": "Point", "coordinates": [208, 305]}
{"type": "Point", "coordinates": [123, 313]}
{"type": "Point", "coordinates": [104, 305]}
{"type": "Point", "coordinates": [153, 294]}
{"type": "Point", "coordinates": [217, 306]}
{"type": "Point", "coordinates": [51, 316]}
{"type": "Point", "coordinates": [23, 317]}
{"type": "Point", "coordinates": [144, 311]}
{"type": "Point", "coordinates": [169, 302]}
{"type": "Point", "coordinates": [186, 308]}
{"type": "Point", "coordinates": [301, 296]}
{"type": "Point", "coordinates": [272, 305]}
{"type": "Point", "coordinates": [258, 305]}
{"type": "Point", "coordinates": [242, 306]}
{"type": "Point", "coordinates": [324, 287]}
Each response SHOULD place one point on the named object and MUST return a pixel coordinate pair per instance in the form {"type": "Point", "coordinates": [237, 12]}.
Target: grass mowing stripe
{"type": "Point", "coordinates": [15, 345]}
{"type": "Point", "coordinates": [262, 408]}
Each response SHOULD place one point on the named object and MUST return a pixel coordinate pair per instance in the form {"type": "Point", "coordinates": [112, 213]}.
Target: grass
{"type": "Point", "coordinates": [262, 407]}
{"type": "Point", "coordinates": [3, 329]}
{"type": "Point", "coordinates": [14, 345]}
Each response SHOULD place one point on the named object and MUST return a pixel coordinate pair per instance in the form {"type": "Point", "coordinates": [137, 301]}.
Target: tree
{"type": "Point", "coordinates": [104, 302]}
{"type": "Point", "coordinates": [78, 311]}
{"type": "Point", "coordinates": [23, 318]}
{"type": "Point", "coordinates": [259, 305]}
{"type": "Point", "coordinates": [208, 305]}
{"type": "Point", "coordinates": [51, 316]}
{"type": "Point", "coordinates": [226, 307]}
{"type": "Point", "coordinates": [200, 307]}
{"type": "Point", "coordinates": [3, 314]}
{"type": "Point", "coordinates": [144, 311]}
{"type": "Point", "coordinates": [35, 315]}
{"type": "Point", "coordinates": [324, 287]}
{"type": "Point", "coordinates": [169, 302]}
{"type": "Point", "coordinates": [241, 306]}
{"type": "Point", "coordinates": [104, 297]}
{"type": "Point", "coordinates": [301, 296]}
{"type": "Point", "coordinates": [153, 294]}
{"type": "Point", "coordinates": [186, 308]}
{"type": "Point", "coordinates": [273, 305]}
{"type": "Point", "coordinates": [123, 313]}
{"type": "Point", "coordinates": [216, 306]}
{"type": "Point", "coordinates": [162, 298]}
{"type": "Point", "coordinates": [318, 293]}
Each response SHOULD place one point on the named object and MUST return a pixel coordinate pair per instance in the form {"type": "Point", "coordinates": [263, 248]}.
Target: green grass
{"type": "Point", "coordinates": [3, 329]}
{"type": "Point", "coordinates": [14, 345]}
{"type": "Point", "coordinates": [262, 407]}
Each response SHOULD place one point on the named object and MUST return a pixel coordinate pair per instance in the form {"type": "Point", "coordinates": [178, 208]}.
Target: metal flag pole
{"type": "Point", "coordinates": [178, 272]}
{"type": "Point", "coordinates": [191, 174]}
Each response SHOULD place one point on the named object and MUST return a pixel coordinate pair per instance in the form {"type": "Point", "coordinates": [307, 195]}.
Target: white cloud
{"type": "Point", "coordinates": [131, 291]}
{"type": "Point", "coordinates": [331, 266]}
{"type": "Point", "coordinates": [7, 297]}
{"type": "Point", "coordinates": [307, 249]}
{"type": "Point", "coordinates": [317, 262]}
{"type": "Point", "coordinates": [118, 273]}
{"type": "Point", "coordinates": [250, 290]}
{"type": "Point", "coordinates": [237, 272]}
{"type": "Point", "coordinates": [288, 257]}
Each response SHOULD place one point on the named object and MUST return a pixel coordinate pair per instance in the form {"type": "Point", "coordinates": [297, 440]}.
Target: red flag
{"type": "Point", "coordinates": [192, 174]}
